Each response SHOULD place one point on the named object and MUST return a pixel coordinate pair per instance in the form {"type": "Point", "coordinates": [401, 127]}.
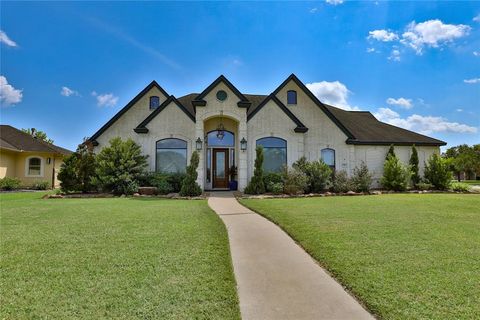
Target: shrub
{"type": "Point", "coordinates": [390, 152]}
{"type": "Point", "coordinates": [414, 166]}
{"type": "Point", "coordinates": [294, 181]}
{"type": "Point", "coordinates": [362, 178]}
{"type": "Point", "coordinates": [77, 170]}
{"type": "Point", "coordinates": [424, 186]}
{"type": "Point", "coordinates": [342, 183]}
{"type": "Point", "coordinates": [460, 187]}
{"type": "Point", "coordinates": [317, 172]}
{"type": "Point", "coordinates": [275, 187]}
{"type": "Point", "coordinates": [119, 167]}
{"type": "Point", "coordinates": [190, 187]}
{"type": "Point", "coordinates": [175, 180]}
{"type": "Point", "coordinates": [8, 183]}
{"type": "Point", "coordinates": [437, 172]}
{"type": "Point", "coordinates": [395, 175]}
{"type": "Point", "coordinates": [41, 185]}
{"type": "Point", "coordinates": [256, 185]}
{"type": "Point", "coordinates": [157, 180]}
{"type": "Point", "coordinates": [272, 180]}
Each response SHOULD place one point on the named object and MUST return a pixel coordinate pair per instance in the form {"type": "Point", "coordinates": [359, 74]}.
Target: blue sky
{"type": "Point", "coordinates": [412, 64]}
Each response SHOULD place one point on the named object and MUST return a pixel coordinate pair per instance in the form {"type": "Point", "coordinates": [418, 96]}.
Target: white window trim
{"type": "Point", "coordinates": [42, 166]}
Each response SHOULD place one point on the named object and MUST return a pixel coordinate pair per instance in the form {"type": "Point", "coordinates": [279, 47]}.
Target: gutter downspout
{"type": "Point", "coordinates": [53, 172]}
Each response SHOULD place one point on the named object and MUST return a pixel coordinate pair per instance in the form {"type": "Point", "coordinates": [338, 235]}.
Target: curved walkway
{"type": "Point", "coordinates": [276, 278]}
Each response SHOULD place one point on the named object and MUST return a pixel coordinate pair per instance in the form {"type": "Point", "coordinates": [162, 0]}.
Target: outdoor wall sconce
{"type": "Point", "coordinates": [243, 144]}
{"type": "Point", "coordinates": [199, 144]}
{"type": "Point", "coordinates": [49, 160]}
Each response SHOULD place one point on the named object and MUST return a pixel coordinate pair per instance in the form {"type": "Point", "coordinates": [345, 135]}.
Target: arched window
{"type": "Point", "coordinates": [171, 156]}
{"type": "Point", "coordinates": [228, 139]}
{"type": "Point", "coordinates": [154, 102]}
{"type": "Point", "coordinates": [34, 166]}
{"type": "Point", "coordinates": [328, 156]}
{"type": "Point", "coordinates": [291, 97]}
{"type": "Point", "coordinates": [274, 153]}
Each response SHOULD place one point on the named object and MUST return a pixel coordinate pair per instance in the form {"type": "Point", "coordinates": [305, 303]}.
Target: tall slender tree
{"type": "Point", "coordinates": [414, 166]}
{"type": "Point", "coordinates": [390, 152]}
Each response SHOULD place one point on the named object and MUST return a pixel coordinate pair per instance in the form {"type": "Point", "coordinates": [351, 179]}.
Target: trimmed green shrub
{"type": "Point", "coordinates": [119, 167]}
{"type": "Point", "coordinates": [68, 174]}
{"type": "Point", "coordinates": [256, 185]}
{"type": "Point", "coordinates": [272, 180]}
{"type": "Point", "coordinates": [460, 187]}
{"type": "Point", "coordinates": [396, 176]}
{"type": "Point", "coordinates": [190, 187]}
{"type": "Point", "coordinates": [362, 178]}
{"type": "Point", "coordinates": [424, 186]}
{"type": "Point", "coordinates": [275, 187]}
{"type": "Point", "coordinates": [40, 185]}
{"type": "Point", "coordinates": [414, 166]}
{"type": "Point", "coordinates": [319, 174]}
{"type": "Point", "coordinates": [294, 181]}
{"type": "Point", "coordinates": [341, 182]}
{"type": "Point", "coordinates": [175, 180]}
{"type": "Point", "coordinates": [437, 172]}
{"type": "Point", "coordinates": [77, 171]}
{"type": "Point", "coordinates": [9, 184]}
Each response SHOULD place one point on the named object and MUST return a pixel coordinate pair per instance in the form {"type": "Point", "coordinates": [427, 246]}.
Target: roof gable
{"type": "Point", "coordinates": [13, 139]}
{"type": "Point", "coordinates": [132, 102]}
{"type": "Point", "coordinates": [199, 100]}
{"type": "Point", "coordinates": [300, 126]}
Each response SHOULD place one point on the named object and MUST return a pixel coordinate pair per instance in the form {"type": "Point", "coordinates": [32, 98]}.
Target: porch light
{"type": "Point", "coordinates": [220, 131]}
{"type": "Point", "coordinates": [199, 144]}
{"type": "Point", "coordinates": [243, 144]}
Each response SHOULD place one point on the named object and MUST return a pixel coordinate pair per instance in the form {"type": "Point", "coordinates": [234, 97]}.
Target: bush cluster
{"type": "Point", "coordinates": [437, 172]}
{"type": "Point", "coordinates": [8, 184]}
{"type": "Point", "coordinates": [40, 185]}
{"type": "Point", "coordinates": [396, 176]}
{"type": "Point", "coordinates": [164, 182]}
{"type": "Point", "coordinates": [460, 187]}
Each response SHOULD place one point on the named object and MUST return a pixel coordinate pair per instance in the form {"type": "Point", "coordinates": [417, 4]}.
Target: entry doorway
{"type": "Point", "coordinates": [220, 168]}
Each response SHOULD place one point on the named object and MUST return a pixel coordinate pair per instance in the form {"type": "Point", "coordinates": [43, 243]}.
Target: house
{"type": "Point", "coordinates": [225, 125]}
{"type": "Point", "coordinates": [29, 159]}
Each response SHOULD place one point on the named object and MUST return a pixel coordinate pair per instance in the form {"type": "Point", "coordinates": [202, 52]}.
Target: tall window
{"type": "Point", "coordinates": [34, 166]}
{"type": "Point", "coordinates": [328, 156]}
{"type": "Point", "coordinates": [291, 97]}
{"type": "Point", "coordinates": [171, 156]}
{"type": "Point", "coordinates": [228, 139]}
{"type": "Point", "coordinates": [274, 152]}
{"type": "Point", "coordinates": [154, 102]}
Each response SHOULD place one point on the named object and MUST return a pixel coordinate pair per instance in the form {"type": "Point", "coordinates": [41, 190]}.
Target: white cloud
{"type": "Point", "coordinates": [67, 92]}
{"type": "Point", "coordinates": [472, 81]}
{"type": "Point", "coordinates": [370, 50]}
{"type": "Point", "coordinates": [334, 2]}
{"type": "Point", "coordinates": [8, 94]}
{"type": "Point", "coordinates": [422, 124]}
{"type": "Point", "coordinates": [400, 102]}
{"type": "Point", "coordinates": [476, 53]}
{"type": "Point", "coordinates": [382, 35]}
{"type": "Point", "coordinates": [432, 33]}
{"type": "Point", "coordinates": [459, 110]}
{"type": "Point", "coordinates": [313, 10]}
{"type": "Point", "coordinates": [5, 39]}
{"type": "Point", "coordinates": [106, 99]}
{"type": "Point", "coordinates": [394, 55]}
{"type": "Point", "coordinates": [334, 93]}
{"type": "Point", "coordinates": [477, 18]}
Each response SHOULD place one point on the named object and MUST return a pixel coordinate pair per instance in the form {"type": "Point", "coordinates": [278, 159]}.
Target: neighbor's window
{"type": "Point", "coordinates": [154, 102]}
{"type": "Point", "coordinates": [171, 156]}
{"type": "Point", "coordinates": [328, 156]}
{"type": "Point", "coordinates": [274, 153]}
{"type": "Point", "coordinates": [34, 166]}
{"type": "Point", "coordinates": [291, 97]}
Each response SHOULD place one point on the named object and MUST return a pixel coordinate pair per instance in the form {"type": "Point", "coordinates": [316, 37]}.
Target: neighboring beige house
{"type": "Point", "coordinates": [27, 158]}
{"type": "Point", "coordinates": [225, 126]}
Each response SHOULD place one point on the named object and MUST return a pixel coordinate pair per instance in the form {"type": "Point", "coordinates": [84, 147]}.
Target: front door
{"type": "Point", "coordinates": [220, 168]}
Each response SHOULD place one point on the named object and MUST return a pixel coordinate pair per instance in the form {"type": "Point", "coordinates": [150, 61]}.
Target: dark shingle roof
{"type": "Point", "coordinates": [14, 139]}
{"type": "Point", "coordinates": [366, 129]}
{"type": "Point", "coordinates": [186, 101]}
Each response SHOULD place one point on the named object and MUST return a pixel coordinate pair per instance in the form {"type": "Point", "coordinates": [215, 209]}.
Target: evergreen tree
{"type": "Point", "coordinates": [414, 166]}
{"type": "Point", "coordinates": [256, 185]}
{"type": "Point", "coordinates": [391, 151]}
{"type": "Point", "coordinates": [190, 187]}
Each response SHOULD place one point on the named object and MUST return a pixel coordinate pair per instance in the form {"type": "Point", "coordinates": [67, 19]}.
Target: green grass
{"type": "Point", "coordinates": [405, 256]}
{"type": "Point", "coordinates": [470, 182]}
{"type": "Point", "coordinates": [122, 258]}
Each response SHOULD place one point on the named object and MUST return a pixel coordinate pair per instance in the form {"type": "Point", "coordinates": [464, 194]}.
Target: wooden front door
{"type": "Point", "coordinates": [220, 168]}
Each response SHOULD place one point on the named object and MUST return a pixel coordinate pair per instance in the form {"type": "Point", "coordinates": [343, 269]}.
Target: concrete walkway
{"type": "Point", "coordinates": [276, 278]}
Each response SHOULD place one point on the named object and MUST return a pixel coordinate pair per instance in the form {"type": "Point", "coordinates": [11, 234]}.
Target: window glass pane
{"type": "Point", "coordinates": [171, 160]}
{"type": "Point", "coordinates": [154, 102]}
{"type": "Point", "coordinates": [220, 165]}
{"type": "Point", "coordinates": [171, 143]}
{"type": "Point", "coordinates": [34, 166]}
{"type": "Point", "coordinates": [272, 142]}
{"type": "Point", "coordinates": [209, 164]}
{"type": "Point", "coordinates": [328, 156]}
{"type": "Point", "coordinates": [227, 141]}
{"type": "Point", "coordinates": [292, 97]}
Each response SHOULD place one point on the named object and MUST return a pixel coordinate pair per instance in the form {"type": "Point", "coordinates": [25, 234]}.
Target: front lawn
{"type": "Point", "coordinates": [405, 256]}
{"type": "Point", "coordinates": [123, 258]}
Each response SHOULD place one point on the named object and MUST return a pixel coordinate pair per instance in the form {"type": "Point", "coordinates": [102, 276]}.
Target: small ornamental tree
{"type": "Point", "coordinates": [396, 176]}
{"type": "Point", "coordinates": [77, 170]}
{"type": "Point", "coordinates": [256, 185]}
{"type": "Point", "coordinates": [437, 172]}
{"type": "Point", "coordinates": [390, 152]}
{"type": "Point", "coordinates": [190, 187]}
{"type": "Point", "coordinates": [319, 174]}
{"type": "Point", "coordinates": [119, 167]}
{"type": "Point", "coordinates": [414, 166]}
{"type": "Point", "coordinates": [362, 178]}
